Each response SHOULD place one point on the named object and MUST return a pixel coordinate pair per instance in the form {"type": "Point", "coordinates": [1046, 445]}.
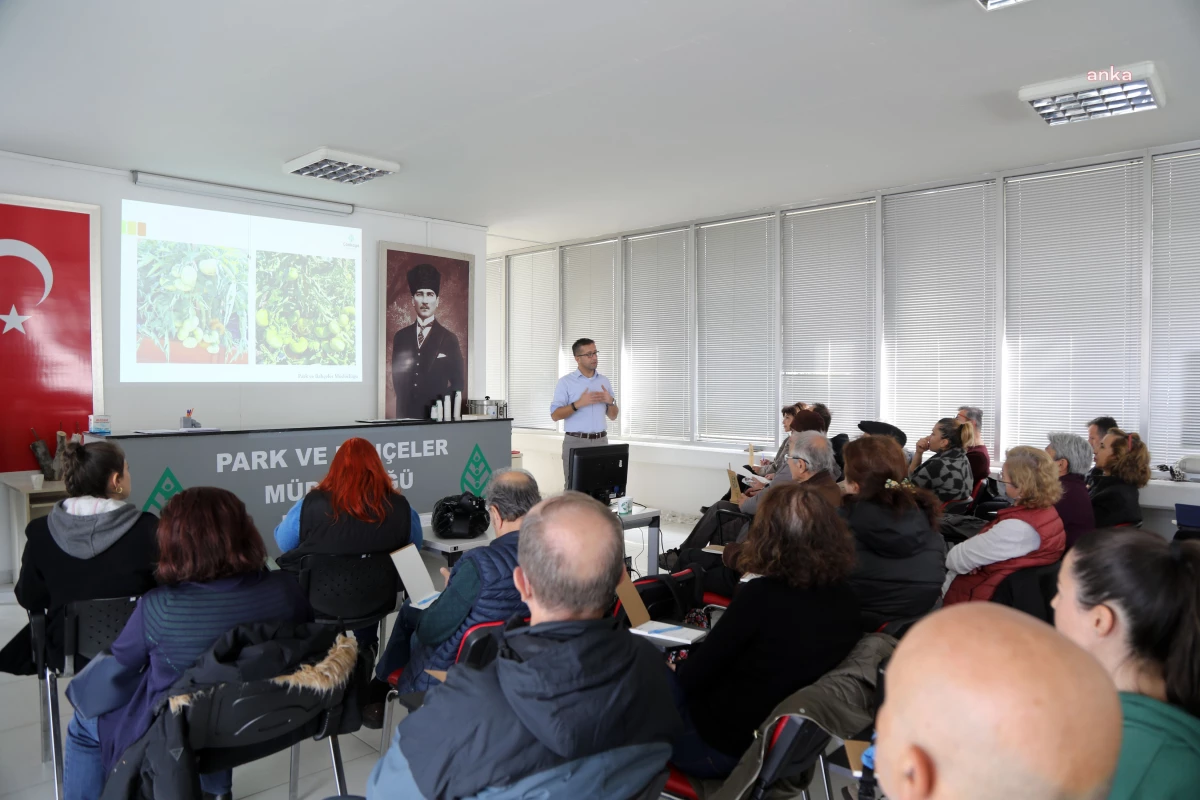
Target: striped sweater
{"type": "Point", "coordinates": [174, 625]}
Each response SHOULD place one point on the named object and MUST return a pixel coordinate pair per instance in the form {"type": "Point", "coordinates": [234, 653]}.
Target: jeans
{"type": "Point", "coordinates": [399, 645]}
{"type": "Point", "coordinates": [689, 752]}
{"type": "Point", "coordinates": [83, 766]}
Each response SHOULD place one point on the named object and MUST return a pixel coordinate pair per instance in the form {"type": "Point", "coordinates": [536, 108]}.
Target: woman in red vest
{"type": "Point", "coordinates": [1027, 534]}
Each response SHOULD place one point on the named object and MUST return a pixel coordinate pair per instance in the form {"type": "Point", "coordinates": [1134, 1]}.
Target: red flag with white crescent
{"type": "Point", "coordinates": [45, 328]}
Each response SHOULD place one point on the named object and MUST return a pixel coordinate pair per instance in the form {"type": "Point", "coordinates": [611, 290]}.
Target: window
{"type": "Point", "coordinates": [736, 301]}
{"type": "Point", "coordinates": [939, 329]}
{"type": "Point", "coordinates": [829, 307]}
{"type": "Point", "coordinates": [532, 338]}
{"type": "Point", "coordinates": [589, 275]}
{"type": "Point", "coordinates": [1175, 310]}
{"type": "Point", "coordinates": [1073, 300]}
{"type": "Point", "coordinates": [497, 329]}
{"type": "Point", "coordinates": [657, 395]}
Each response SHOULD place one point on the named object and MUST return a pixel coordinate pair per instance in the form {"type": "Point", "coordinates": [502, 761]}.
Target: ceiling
{"type": "Point", "coordinates": [549, 120]}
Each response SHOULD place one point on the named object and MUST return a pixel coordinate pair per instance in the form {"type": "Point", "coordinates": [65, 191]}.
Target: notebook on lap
{"type": "Point", "coordinates": [414, 576]}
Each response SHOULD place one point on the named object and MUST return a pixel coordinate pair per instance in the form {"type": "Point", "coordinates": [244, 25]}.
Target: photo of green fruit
{"type": "Point", "coordinates": [305, 309]}
{"type": "Point", "coordinates": [192, 303]}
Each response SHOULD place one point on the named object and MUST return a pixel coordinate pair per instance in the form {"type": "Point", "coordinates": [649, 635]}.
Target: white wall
{"type": "Point", "coordinates": [245, 405]}
{"type": "Point", "coordinates": [232, 405]}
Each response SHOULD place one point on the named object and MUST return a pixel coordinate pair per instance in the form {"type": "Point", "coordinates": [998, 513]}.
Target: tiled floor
{"type": "Point", "coordinates": [24, 777]}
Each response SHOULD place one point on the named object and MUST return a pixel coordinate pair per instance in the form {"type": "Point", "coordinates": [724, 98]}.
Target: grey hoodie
{"type": "Point", "coordinates": [87, 536]}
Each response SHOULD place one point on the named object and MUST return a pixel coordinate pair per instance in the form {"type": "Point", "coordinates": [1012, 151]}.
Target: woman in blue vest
{"type": "Point", "coordinates": [355, 510]}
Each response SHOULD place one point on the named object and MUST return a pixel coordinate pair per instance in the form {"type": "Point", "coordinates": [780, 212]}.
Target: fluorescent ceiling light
{"type": "Point", "coordinates": [1101, 93]}
{"type": "Point", "coordinates": [238, 193]}
{"type": "Point", "coordinates": [340, 166]}
{"type": "Point", "coordinates": [992, 5]}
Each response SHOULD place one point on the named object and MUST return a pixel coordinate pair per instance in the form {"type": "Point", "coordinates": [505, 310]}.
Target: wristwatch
{"type": "Point", "coordinates": [573, 406]}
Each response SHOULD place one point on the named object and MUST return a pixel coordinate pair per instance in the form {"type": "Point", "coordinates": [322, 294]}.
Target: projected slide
{"type": "Point", "coordinates": [211, 296]}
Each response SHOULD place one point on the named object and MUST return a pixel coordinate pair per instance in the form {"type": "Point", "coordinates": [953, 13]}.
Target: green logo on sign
{"type": "Point", "coordinates": [166, 488]}
{"type": "Point", "coordinates": [476, 473]}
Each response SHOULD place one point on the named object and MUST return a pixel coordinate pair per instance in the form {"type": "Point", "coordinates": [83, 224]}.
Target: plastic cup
{"type": "Point", "coordinates": [38, 481]}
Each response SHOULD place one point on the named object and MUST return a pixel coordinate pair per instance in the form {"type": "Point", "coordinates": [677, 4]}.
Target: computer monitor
{"type": "Point", "coordinates": [600, 472]}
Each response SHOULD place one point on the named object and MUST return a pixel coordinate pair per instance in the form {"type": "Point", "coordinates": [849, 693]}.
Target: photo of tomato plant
{"type": "Point", "coordinates": [192, 302]}
{"type": "Point", "coordinates": [305, 309]}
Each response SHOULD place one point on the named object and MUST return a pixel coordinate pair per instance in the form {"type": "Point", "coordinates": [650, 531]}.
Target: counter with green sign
{"type": "Point", "coordinates": [271, 469]}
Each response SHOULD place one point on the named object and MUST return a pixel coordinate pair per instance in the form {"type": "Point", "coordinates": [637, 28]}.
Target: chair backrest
{"type": "Point", "coordinates": [479, 645]}
{"type": "Point", "coordinates": [666, 597]}
{"type": "Point", "coordinates": [352, 590]}
{"type": "Point", "coordinates": [1187, 516]}
{"type": "Point", "coordinates": [91, 626]}
{"type": "Point", "coordinates": [730, 524]}
{"type": "Point", "coordinates": [795, 745]}
{"type": "Point", "coordinates": [1030, 590]}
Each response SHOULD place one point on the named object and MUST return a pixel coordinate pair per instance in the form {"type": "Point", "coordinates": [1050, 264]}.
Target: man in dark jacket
{"type": "Point", "coordinates": [427, 364]}
{"type": "Point", "coordinates": [1073, 455]}
{"type": "Point", "coordinates": [567, 687]}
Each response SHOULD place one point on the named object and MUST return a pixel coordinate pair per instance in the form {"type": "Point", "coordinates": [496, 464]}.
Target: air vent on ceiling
{"type": "Point", "coordinates": [340, 166]}
{"type": "Point", "coordinates": [1107, 92]}
{"type": "Point", "coordinates": [992, 5]}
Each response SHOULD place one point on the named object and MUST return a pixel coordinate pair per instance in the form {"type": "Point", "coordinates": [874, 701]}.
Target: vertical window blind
{"type": "Point", "coordinates": [1073, 301]}
{"type": "Point", "coordinates": [497, 329]}
{"type": "Point", "coordinates": [940, 327]}
{"type": "Point", "coordinates": [1175, 309]}
{"type": "Point", "coordinates": [736, 301]}
{"type": "Point", "coordinates": [657, 397]}
{"type": "Point", "coordinates": [829, 310]}
{"type": "Point", "coordinates": [589, 275]}
{"type": "Point", "coordinates": [533, 337]}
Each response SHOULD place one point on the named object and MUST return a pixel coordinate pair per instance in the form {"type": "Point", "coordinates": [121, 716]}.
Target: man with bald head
{"type": "Point", "coordinates": [982, 701]}
{"type": "Point", "coordinates": [567, 686]}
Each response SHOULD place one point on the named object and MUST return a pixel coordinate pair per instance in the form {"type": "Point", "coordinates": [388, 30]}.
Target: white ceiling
{"type": "Point", "coordinates": [558, 119]}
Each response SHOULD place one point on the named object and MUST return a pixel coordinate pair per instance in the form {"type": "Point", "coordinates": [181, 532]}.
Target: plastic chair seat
{"type": "Point", "coordinates": [678, 784]}
{"type": "Point", "coordinates": [394, 678]}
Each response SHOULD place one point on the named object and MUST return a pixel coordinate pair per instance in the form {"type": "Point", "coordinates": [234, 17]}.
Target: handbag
{"type": "Point", "coordinates": [460, 517]}
{"type": "Point", "coordinates": [104, 685]}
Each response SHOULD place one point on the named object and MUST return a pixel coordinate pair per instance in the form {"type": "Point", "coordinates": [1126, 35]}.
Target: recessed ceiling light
{"type": "Point", "coordinates": [1107, 92]}
{"type": "Point", "coordinates": [992, 5]}
{"type": "Point", "coordinates": [340, 166]}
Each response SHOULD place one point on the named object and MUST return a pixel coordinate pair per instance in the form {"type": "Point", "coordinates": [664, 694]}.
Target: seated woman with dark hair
{"type": "Point", "coordinates": [91, 546]}
{"type": "Point", "coordinates": [1132, 600]}
{"type": "Point", "coordinates": [901, 555]}
{"type": "Point", "coordinates": [1029, 533]}
{"type": "Point", "coordinates": [947, 473]}
{"type": "Point", "coordinates": [1124, 461]}
{"type": "Point", "coordinates": [781, 632]}
{"type": "Point", "coordinates": [212, 564]}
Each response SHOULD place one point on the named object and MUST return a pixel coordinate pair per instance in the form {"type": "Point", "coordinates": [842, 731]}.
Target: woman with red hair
{"type": "Point", "coordinates": [355, 510]}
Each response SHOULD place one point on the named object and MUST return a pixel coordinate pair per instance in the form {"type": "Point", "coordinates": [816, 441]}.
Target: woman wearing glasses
{"type": "Point", "coordinates": [1029, 533]}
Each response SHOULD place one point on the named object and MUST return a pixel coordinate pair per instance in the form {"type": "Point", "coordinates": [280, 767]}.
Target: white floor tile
{"type": "Point", "coordinates": [320, 785]}
{"type": "Point", "coordinates": [271, 772]}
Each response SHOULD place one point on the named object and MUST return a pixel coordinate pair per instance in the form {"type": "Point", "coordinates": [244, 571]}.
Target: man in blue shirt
{"type": "Point", "coordinates": [584, 398]}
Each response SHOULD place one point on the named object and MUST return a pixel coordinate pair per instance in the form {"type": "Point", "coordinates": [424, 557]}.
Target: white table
{"type": "Point", "coordinates": [24, 504]}
{"type": "Point", "coordinates": [452, 549]}
{"type": "Point", "coordinates": [643, 517]}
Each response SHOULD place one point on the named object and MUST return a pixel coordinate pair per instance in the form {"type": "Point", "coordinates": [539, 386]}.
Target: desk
{"type": "Point", "coordinates": [24, 504]}
{"type": "Point", "coordinates": [643, 517]}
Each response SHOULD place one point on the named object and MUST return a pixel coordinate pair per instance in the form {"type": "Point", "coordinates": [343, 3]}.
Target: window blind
{"type": "Point", "coordinates": [658, 377]}
{"type": "Point", "coordinates": [737, 372]}
{"type": "Point", "coordinates": [1073, 291]}
{"type": "Point", "coordinates": [532, 338]}
{"type": "Point", "coordinates": [940, 327]}
{"type": "Point", "coordinates": [497, 329]}
{"type": "Point", "coordinates": [589, 274]}
{"type": "Point", "coordinates": [1175, 309]}
{"type": "Point", "coordinates": [829, 308]}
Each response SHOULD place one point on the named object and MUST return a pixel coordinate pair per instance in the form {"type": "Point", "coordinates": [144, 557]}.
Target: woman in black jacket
{"type": "Point", "coordinates": [1124, 460]}
{"type": "Point", "coordinates": [782, 632]}
{"type": "Point", "coordinates": [901, 554]}
{"type": "Point", "coordinates": [92, 545]}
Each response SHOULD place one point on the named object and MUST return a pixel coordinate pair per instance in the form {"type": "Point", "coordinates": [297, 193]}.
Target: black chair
{"type": "Point", "coordinates": [1030, 590]}
{"type": "Point", "coordinates": [667, 597]}
{"type": "Point", "coordinates": [89, 627]}
{"type": "Point", "coordinates": [350, 591]}
{"type": "Point", "coordinates": [730, 524]}
{"type": "Point", "coordinates": [1187, 520]}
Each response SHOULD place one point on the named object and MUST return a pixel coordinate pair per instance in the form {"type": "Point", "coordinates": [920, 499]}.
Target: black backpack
{"type": "Point", "coordinates": [460, 517]}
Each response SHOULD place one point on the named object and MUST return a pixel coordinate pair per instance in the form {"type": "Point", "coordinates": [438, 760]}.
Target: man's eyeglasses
{"type": "Point", "coordinates": [588, 355]}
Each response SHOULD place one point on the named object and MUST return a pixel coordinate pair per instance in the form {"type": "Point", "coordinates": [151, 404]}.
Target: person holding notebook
{"type": "Point", "coordinates": [479, 589]}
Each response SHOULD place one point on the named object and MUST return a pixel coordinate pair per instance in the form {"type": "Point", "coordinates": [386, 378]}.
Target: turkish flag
{"type": "Point", "coordinates": [45, 328]}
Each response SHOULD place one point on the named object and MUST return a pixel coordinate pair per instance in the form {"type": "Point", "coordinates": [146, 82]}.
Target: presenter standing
{"type": "Point", "coordinates": [585, 400]}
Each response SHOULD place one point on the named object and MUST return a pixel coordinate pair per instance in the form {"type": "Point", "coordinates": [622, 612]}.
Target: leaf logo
{"type": "Point", "coordinates": [166, 488]}
{"type": "Point", "coordinates": [476, 474]}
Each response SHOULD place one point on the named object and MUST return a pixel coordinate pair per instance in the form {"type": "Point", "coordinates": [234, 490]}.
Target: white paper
{"type": "Point", "coordinates": [414, 576]}
{"type": "Point", "coordinates": [668, 632]}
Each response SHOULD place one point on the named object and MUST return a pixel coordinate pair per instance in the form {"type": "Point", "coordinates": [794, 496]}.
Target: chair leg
{"type": "Point", "coordinates": [339, 774]}
{"type": "Point", "coordinates": [389, 710]}
{"type": "Point", "coordinates": [44, 716]}
{"type": "Point", "coordinates": [823, 774]}
{"type": "Point", "coordinates": [55, 733]}
{"type": "Point", "coordinates": [294, 772]}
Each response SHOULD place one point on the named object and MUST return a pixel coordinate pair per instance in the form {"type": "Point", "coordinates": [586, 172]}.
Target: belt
{"type": "Point", "coordinates": [599, 435]}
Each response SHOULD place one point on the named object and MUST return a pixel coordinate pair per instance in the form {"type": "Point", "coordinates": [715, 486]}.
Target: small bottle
{"type": "Point", "coordinates": [436, 413]}
{"type": "Point", "coordinates": [457, 406]}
